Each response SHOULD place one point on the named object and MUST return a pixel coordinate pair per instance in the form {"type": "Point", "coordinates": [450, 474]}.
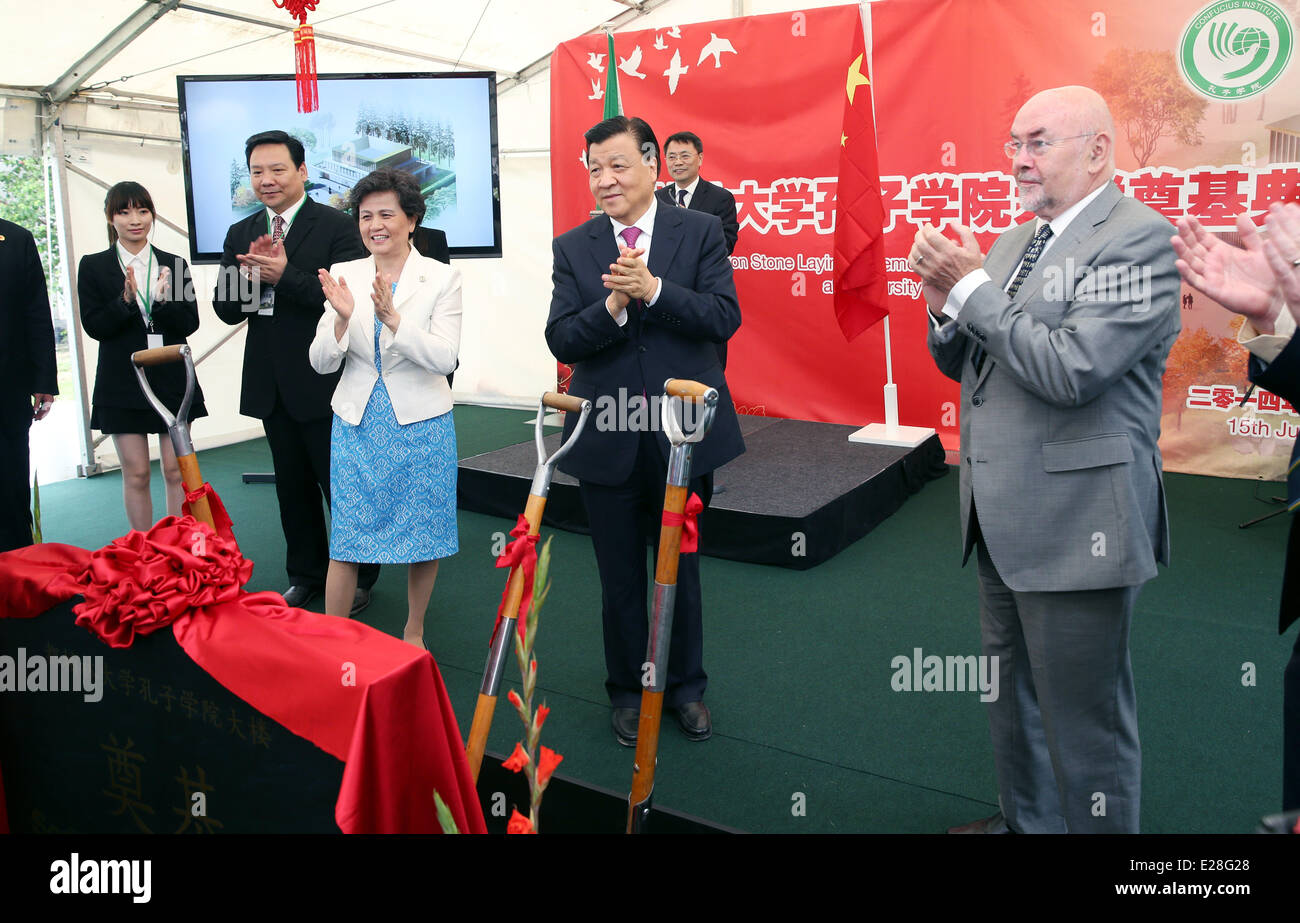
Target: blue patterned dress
{"type": "Point", "coordinates": [393, 487]}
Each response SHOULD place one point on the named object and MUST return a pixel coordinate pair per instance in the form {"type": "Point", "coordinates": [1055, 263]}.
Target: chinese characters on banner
{"type": "Point", "coordinates": [765, 93]}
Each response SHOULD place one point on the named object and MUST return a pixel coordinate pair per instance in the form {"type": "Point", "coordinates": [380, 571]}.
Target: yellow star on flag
{"type": "Point", "coordinates": [856, 77]}
{"type": "Point", "coordinates": [844, 139]}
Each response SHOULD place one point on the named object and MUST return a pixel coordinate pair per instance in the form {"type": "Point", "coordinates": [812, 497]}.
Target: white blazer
{"type": "Point", "coordinates": [416, 360]}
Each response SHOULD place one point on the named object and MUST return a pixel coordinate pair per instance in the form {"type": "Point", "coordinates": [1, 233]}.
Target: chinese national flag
{"type": "Point", "coordinates": [860, 288]}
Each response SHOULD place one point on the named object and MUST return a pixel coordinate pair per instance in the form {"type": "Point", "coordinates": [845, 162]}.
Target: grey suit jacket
{"type": "Point", "coordinates": [1059, 430]}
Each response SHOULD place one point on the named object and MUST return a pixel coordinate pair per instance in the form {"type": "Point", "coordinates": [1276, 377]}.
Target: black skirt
{"type": "Point", "coordinates": [116, 421]}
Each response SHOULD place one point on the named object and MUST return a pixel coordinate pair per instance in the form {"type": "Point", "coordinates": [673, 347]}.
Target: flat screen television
{"type": "Point", "coordinates": [441, 128]}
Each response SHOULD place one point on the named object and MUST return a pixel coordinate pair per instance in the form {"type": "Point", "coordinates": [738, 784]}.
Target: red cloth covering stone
{"type": "Point", "coordinates": [394, 728]}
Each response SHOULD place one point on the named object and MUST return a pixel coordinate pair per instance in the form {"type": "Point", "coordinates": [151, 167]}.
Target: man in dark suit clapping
{"type": "Point", "coordinates": [642, 293]}
{"type": "Point", "coordinates": [27, 375]}
{"type": "Point", "coordinates": [282, 247]}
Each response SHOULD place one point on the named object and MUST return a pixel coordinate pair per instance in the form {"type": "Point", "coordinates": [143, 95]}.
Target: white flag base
{"type": "Point", "coordinates": [907, 437]}
{"type": "Point", "coordinates": [890, 433]}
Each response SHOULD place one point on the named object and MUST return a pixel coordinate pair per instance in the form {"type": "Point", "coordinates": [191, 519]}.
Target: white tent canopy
{"type": "Point", "coordinates": [98, 80]}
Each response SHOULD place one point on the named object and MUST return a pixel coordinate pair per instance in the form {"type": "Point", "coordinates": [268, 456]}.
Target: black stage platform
{"type": "Point", "coordinates": [799, 495]}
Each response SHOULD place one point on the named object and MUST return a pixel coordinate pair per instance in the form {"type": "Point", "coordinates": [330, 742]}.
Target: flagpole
{"type": "Point", "coordinates": [887, 433]}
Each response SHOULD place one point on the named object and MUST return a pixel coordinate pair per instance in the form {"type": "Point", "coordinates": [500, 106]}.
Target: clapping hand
{"type": "Point", "coordinates": [627, 278]}
{"type": "Point", "coordinates": [1241, 280]}
{"type": "Point", "coordinates": [337, 294]}
{"type": "Point", "coordinates": [129, 291]}
{"type": "Point", "coordinates": [1282, 250]}
{"type": "Point", "coordinates": [381, 293]}
{"type": "Point", "coordinates": [266, 258]}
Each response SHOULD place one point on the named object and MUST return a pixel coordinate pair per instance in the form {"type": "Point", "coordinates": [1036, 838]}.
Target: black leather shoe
{"type": "Point", "coordinates": [995, 823]}
{"type": "Point", "coordinates": [359, 602]}
{"type": "Point", "coordinates": [625, 721]}
{"type": "Point", "coordinates": [298, 596]}
{"type": "Point", "coordinates": [693, 719]}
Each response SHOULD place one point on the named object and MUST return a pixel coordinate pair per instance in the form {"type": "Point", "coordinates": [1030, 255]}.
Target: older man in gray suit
{"type": "Point", "coordinates": [1059, 339]}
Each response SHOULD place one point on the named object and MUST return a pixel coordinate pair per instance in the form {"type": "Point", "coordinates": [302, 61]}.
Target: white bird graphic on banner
{"type": "Point", "coordinates": [595, 60]}
{"type": "Point", "coordinates": [597, 91]}
{"type": "Point", "coordinates": [630, 64]}
{"type": "Point", "coordinates": [674, 32]}
{"type": "Point", "coordinates": [675, 71]}
{"type": "Point", "coordinates": [660, 44]}
{"type": "Point", "coordinates": [716, 47]}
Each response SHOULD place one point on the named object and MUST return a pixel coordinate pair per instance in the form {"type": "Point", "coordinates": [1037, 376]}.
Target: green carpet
{"type": "Point", "coordinates": [800, 662]}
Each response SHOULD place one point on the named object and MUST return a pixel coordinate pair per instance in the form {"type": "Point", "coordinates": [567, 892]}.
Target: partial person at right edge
{"type": "Point", "coordinates": [1262, 284]}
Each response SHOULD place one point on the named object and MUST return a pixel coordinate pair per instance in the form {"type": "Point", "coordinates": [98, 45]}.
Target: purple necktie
{"type": "Point", "coordinates": [277, 230]}
{"type": "Point", "coordinates": [630, 236]}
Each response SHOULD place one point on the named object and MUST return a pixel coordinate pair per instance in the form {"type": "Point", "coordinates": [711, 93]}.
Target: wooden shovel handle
{"type": "Point", "coordinates": [160, 356]}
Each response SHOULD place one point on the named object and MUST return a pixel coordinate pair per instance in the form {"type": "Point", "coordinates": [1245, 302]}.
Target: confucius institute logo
{"type": "Point", "coordinates": [1235, 49]}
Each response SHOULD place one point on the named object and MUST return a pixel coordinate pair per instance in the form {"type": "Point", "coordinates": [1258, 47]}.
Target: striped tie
{"type": "Point", "coordinates": [1026, 267]}
{"type": "Point", "coordinates": [681, 197]}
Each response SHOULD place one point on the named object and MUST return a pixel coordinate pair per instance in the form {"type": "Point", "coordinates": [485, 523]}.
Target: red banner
{"type": "Point", "coordinates": [766, 96]}
{"type": "Point", "coordinates": [1206, 98]}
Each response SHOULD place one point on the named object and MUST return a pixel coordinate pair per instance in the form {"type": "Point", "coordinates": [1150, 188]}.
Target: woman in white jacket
{"type": "Point", "coordinates": [393, 446]}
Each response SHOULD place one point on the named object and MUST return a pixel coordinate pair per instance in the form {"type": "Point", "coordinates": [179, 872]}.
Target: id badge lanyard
{"type": "Point", "coordinates": [145, 294]}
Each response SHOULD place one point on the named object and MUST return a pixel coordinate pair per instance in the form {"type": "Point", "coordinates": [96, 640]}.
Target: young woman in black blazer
{"type": "Point", "coordinates": [135, 296]}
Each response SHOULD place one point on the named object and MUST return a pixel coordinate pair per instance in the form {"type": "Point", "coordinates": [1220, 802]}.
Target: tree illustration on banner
{"type": "Point", "coordinates": [1149, 100]}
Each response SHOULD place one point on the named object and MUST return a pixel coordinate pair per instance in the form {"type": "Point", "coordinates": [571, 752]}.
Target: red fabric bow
{"type": "Point", "coordinates": [182, 573]}
{"type": "Point", "coordinates": [144, 581]}
{"type": "Point", "coordinates": [688, 520]}
{"type": "Point", "coordinates": [522, 552]}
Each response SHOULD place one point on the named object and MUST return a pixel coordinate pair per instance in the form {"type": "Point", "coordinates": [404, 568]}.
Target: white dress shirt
{"type": "Point", "coordinates": [690, 192]}
{"type": "Point", "coordinates": [139, 264]}
{"type": "Point", "coordinates": [288, 215]}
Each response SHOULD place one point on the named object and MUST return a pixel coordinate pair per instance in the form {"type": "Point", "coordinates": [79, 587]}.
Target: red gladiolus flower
{"type": "Point", "coordinates": [517, 761]}
{"type": "Point", "coordinates": [542, 712]}
{"type": "Point", "coordinates": [514, 699]}
{"type": "Point", "coordinates": [546, 764]}
{"type": "Point", "coordinates": [519, 824]}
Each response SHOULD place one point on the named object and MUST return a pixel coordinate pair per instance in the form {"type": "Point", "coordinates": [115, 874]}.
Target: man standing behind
{"type": "Point", "coordinates": [684, 153]}
{"type": "Point", "coordinates": [27, 375]}
{"type": "Point", "coordinates": [283, 247]}
{"type": "Point", "coordinates": [1059, 339]}
{"type": "Point", "coordinates": [641, 294]}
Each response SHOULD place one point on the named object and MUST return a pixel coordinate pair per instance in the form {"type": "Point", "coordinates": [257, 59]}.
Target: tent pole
{"type": "Point", "coordinates": [88, 466]}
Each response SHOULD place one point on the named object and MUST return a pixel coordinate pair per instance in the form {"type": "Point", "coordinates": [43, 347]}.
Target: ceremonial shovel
{"type": "Point", "coordinates": [178, 427]}
{"type": "Point", "coordinates": [505, 628]}
{"type": "Point", "coordinates": [661, 618]}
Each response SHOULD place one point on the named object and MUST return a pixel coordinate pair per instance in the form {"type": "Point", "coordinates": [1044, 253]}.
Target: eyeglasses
{"type": "Point", "coordinates": [1037, 147]}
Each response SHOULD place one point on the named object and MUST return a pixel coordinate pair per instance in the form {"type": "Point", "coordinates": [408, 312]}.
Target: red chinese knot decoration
{"type": "Point", "coordinates": [304, 46]}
